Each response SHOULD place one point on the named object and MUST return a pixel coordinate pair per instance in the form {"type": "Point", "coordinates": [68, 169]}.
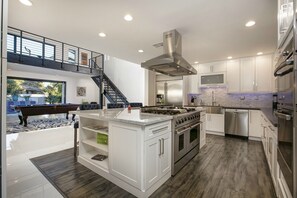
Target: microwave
{"type": "Point", "coordinates": [212, 79]}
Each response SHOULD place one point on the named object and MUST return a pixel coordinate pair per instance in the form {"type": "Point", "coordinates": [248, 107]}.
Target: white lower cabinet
{"type": "Point", "coordinates": [124, 155]}
{"type": "Point", "coordinates": [215, 124]}
{"type": "Point", "coordinates": [264, 134]}
{"type": "Point", "coordinates": [283, 189]}
{"type": "Point", "coordinates": [202, 129]}
{"type": "Point", "coordinates": [157, 159]}
{"type": "Point", "coordinates": [255, 130]}
{"type": "Point", "coordinates": [269, 142]}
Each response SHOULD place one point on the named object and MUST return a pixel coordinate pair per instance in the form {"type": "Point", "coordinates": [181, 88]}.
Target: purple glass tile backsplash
{"type": "Point", "coordinates": [222, 98]}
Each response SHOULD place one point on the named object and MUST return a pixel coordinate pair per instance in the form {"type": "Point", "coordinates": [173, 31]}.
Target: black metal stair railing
{"type": "Point", "coordinates": [31, 49]}
{"type": "Point", "coordinates": [110, 90]}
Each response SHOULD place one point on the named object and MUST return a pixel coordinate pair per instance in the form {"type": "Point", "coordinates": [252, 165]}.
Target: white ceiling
{"type": "Point", "coordinates": [211, 30]}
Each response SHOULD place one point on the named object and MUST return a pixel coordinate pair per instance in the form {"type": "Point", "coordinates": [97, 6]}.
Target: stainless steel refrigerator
{"type": "Point", "coordinates": [171, 92]}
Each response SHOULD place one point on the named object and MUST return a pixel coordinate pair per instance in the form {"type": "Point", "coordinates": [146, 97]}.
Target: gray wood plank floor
{"type": "Point", "coordinates": [225, 167]}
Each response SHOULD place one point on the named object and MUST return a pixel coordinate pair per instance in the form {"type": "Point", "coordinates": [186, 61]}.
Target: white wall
{"type": "Point", "coordinates": [76, 80]}
{"type": "Point", "coordinates": [128, 77]}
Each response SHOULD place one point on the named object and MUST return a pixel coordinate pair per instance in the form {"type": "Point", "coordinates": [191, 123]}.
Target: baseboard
{"type": "Point", "coordinates": [254, 138]}
{"type": "Point", "coordinates": [215, 133]}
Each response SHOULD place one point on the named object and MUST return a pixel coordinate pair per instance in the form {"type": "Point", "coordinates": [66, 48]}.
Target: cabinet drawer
{"type": "Point", "coordinates": [154, 130]}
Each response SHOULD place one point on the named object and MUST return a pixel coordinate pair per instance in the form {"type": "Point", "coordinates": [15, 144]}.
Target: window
{"type": "Point", "coordinates": [30, 47]}
{"type": "Point", "coordinates": [71, 56]}
{"type": "Point", "coordinates": [24, 91]}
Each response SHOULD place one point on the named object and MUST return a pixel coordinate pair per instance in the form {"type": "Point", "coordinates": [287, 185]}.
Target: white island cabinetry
{"type": "Point", "coordinates": [138, 149]}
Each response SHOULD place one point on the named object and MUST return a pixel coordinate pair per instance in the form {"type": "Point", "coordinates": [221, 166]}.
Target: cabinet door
{"type": "Point", "coordinates": [269, 148]}
{"type": "Point", "coordinates": [165, 157]}
{"type": "Point", "coordinates": [215, 122]}
{"type": "Point", "coordinates": [208, 122]}
{"type": "Point", "coordinates": [255, 129]}
{"type": "Point", "coordinates": [264, 73]}
{"type": "Point", "coordinates": [193, 84]}
{"type": "Point", "coordinates": [212, 67]}
{"type": "Point", "coordinates": [152, 153]}
{"type": "Point", "coordinates": [233, 76]}
{"type": "Point", "coordinates": [218, 122]}
{"type": "Point", "coordinates": [274, 160]}
{"type": "Point", "coordinates": [202, 131]}
{"type": "Point", "coordinates": [219, 66]}
{"type": "Point", "coordinates": [204, 68]}
{"type": "Point", "coordinates": [247, 74]}
{"type": "Point", "coordinates": [125, 153]}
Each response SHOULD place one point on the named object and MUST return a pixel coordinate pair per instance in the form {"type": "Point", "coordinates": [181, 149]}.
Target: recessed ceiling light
{"type": "Point", "coordinates": [229, 57]}
{"type": "Point", "coordinates": [140, 51]}
{"type": "Point", "coordinates": [26, 2]}
{"type": "Point", "coordinates": [102, 34]}
{"type": "Point", "coordinates": [196, 62]}
{"type": "Point", "coordinates": [259, 53]}
{"type": "Point", "coordinates": [250, 23]}
{"type": "Point", "coordinates": [128, 17]}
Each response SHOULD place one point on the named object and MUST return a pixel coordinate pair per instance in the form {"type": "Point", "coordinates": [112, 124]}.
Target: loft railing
{"type": "Point", "coordinates": [28, 44]}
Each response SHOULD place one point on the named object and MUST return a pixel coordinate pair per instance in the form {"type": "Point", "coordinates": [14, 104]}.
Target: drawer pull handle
{"type": "Point", "coordinates": [161, 129]}
{"type": "Point", "coordinates": [160, 147]}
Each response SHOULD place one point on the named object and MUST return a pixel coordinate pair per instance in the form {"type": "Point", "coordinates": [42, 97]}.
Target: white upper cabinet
{"type": "Point", "coordinates": [247, 74]}
{"type": "Point", "coordinates": [233, 77]}
{"type": "Point", "coordinates": [191, 83]}
{"type": "Point", "coordinates": [264, 74]}
{"type": "Point", "coordinates": [244, 75]}
{"type": "Point", "coordinates": [250, 75]}
{"type": "Point", "coordinates": [214, 67]}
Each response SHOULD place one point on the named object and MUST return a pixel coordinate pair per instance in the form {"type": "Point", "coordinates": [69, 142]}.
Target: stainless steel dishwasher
{"type": "Point", "coordinates": [237, 122]}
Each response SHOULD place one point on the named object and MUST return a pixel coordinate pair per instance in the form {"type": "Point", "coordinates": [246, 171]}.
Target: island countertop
{"type": "Point", "coordinates": [123, 115]}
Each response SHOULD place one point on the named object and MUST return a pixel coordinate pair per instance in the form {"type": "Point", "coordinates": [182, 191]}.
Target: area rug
{"type": "Point", "coordinates": [37, 124]}
{"type": "Point", "coordinates": [73, 180]}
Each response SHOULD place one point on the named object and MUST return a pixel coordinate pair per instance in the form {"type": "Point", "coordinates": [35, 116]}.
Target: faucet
{"type": "Point", "coordinates": [213, 100]}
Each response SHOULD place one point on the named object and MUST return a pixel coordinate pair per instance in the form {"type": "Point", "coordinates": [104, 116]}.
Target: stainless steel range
{"type": "Point", "coordinates": [185, 136]}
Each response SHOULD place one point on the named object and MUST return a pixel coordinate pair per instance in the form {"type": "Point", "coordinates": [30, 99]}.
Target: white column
{"type": "Point", "coordinates": [3, 69]}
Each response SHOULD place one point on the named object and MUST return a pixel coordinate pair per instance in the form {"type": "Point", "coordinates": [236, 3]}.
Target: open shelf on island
{"type": "Point", "coordinates": [88, 155]}
{"type": "Point", "coordinates": [97, 129]}
{"type": "Point", "coordinates": [93, 143]}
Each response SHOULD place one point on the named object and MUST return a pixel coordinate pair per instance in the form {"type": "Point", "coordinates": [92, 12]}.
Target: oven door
{"type": "Point", "coordinates": [194, 137]}
{"type": "Point", "coordinates": [285, 145]}
{"type": "Point", "coordinates": [181, 137]}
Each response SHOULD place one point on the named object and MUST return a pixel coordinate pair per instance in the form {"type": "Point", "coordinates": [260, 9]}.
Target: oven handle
{"type": "Point", "coordinates": [188, 128]}
{"type": "Point", "coordinates": [284, 64]}
{"type": "Point", "coordinates": [283, 115]}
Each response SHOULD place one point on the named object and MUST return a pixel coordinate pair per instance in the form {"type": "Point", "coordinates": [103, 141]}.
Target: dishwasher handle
{"type": "Point", "coordinates": [236, 110]}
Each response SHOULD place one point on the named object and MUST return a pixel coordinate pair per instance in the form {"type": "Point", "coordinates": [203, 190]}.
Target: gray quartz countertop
{"type": "Point", "coordinates": [270, 115]}
{"type": "Point", "coordinates": [266, 111]}
{"type": "Point", "coordinates": [123, 115]}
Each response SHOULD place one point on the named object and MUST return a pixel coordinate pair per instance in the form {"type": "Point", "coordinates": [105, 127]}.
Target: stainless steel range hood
{"type": "Point", "coordinates": [171, 62]}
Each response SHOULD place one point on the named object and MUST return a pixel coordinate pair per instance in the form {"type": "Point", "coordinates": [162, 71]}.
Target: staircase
{"type": "Point", "coordinates": [110, 91]}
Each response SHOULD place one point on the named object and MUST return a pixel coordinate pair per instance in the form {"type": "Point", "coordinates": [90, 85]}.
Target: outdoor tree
{"type": "Point", "coordinates": [14, 87]}
{"type": "Point", "coordinates": [54, 93]}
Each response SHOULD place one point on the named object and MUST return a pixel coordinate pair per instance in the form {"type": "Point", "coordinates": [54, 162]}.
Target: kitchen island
{"type": "Point", "coordinates": [137, 146]}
